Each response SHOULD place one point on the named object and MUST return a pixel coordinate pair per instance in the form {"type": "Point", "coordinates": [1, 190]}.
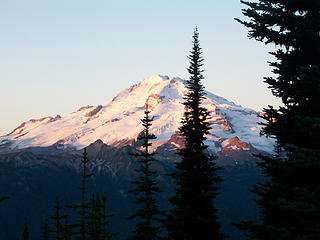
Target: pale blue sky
{"type": "Point", "coordinates": [58, 55]}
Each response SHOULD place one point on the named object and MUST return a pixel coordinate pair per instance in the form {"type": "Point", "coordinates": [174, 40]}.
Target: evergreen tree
{"type": "Point", "coordinates": [99, 219]}
{"type": "Point", "coordinates": [84, 204]}
{"type": "Point", "coordinates": [83, 207]}
{"type": "Point", "coordinates": [57, 217]}
{"type": "Point", "coordinates": [194, 215]}
{"type": "Point", "coordinates": [45, 229]}
{"type": "Point", "coordinates": [148, 212]}
{"type": "Point", "coordinates": [95, 219]}
{"type": "Point", "coordinates": [290, 199]}
{"type": "Point", "coordinates": [67, 233]}
{"type": "Point", "coordinates": [96, 225]}
{"type": "Point", "coordinates": [106, 235]}
{"type": "Point", "coordinates": [25, 234]}
{"type": "Point", "coordinates": [294, 27]}
{"type": "Point", "coordinates": [92, 221]}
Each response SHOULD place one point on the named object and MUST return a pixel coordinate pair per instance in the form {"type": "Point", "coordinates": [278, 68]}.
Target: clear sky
{"type": "Point", "coordinates": [59, 55]}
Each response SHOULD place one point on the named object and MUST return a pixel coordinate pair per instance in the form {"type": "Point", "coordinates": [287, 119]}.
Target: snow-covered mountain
{"type": "Point", "coordinates": [117, 121]}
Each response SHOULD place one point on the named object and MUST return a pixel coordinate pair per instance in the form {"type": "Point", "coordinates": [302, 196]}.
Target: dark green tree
{"type": "Point", "coordinates": [84, 205]}
{"type": "Point", "coordinates": [67, 233]}
{"type": "Point", "coordinates": [25, 233]}
{"type": "Point", "coordinates": [92, 220]}
{"type": "Point", "coordinates": [148, 213]}
{"type": "Point", "coordinates": [294, 27]}
{"type": "Point", "coordinates": [95, 218]}
{"type": "Point", "coordinates": [45, 229]}
{"type": "Point", "coordinates": [290, 200]}
{"type": "Point", "coordinates": [98, 219]}
{"type": "Point", "coordinates": [57, 217]}
{"type": "Point", "coordinates": [194, 215]}
{"type": "Point", "coordinates": [106, 235]}
{"type": "Point", "coordinates": [81, 227]}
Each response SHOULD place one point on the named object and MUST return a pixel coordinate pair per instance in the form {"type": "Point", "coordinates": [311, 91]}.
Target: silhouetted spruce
{"type": "Point", "coordinates": [194, 215]}
{"type": "Point", "coordinates": [67, 230]}
{"type": "Point", "coordinates": [290, 200]}
{"type": "Point", "coordinates": [148, 213]}
{"type": "Point", "coordinates": [95, 219]}
{"type": "Point", "coordinates": [25, 233]}
{"type": "Point", "coordinates": [92, 220]}
{"type": "Point", "coordinates": [81, 227]}
{"type": "Point", "coordinates": [98, 219]}
{"type": "Point", "coordinates": [106, 234]}
{"type": "Point", "coordinates": [57, 217]}
{"type": "Point", "coordinates": [45, 233]}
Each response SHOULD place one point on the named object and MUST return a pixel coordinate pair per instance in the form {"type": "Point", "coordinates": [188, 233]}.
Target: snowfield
{"type": "Point", "coordinates": [118, 120]}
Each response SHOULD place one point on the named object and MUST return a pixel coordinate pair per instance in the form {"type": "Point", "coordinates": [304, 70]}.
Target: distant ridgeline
{"type": "Point", "coordinates": [34, 177]}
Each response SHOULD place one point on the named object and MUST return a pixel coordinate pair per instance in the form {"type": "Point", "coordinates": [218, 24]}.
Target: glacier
{"type": "Point", "coordinates": [117, 121]}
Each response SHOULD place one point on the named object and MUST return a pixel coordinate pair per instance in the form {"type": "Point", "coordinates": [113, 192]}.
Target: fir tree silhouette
{"type": "Point", "coordinates": [45, 234]}
{"type": "Point", "coordinates": [290, 200]}
{"type": "Point", "coordinates": [57, 217]}
{"type": "Point", "coordinates": [194, 215]}
{"type": "Point", "coordinates": [81, 227]}
{"type": "Point", "coordinates": [148, 212]}
{"type": "Point", "coordinates": [25, 233]}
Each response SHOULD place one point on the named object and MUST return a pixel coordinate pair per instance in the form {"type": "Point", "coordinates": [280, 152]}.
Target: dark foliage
{"type": "Point", "coordinates": [57, 217]}
{"type": "Point", "coordinates": [48, 181]}
{"type": "Point", "coordinates": [290, 200]}
{"type": "Point", "coordinates": [294, 26]}
{"type": "Point", "coordinates": [194, 215]}
{"type": "Point", "coordinates": [148, 213]}
{"type": "Point", "coordinates": [67, 233]}
{"type": "Point", "coordinates": [81, 227]}
{"type": "Point", "coordinates": [98, 219]}
{"type": "Point", "coordinates": [25, 233]}
{"type": "Point", "coordinates": [45, 229]}
{"type": "Point", "coordinates": [92, 220]}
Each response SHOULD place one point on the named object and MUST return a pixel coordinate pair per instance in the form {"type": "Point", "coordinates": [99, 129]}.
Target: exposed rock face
{"type": "Point", "coordinates": [39, 120]}
{"type": "Point", "coordinates": [84, 108]}
{"type": "Point", "coordinates": [60, 144]}
{"type": "Point", "coordinates": [176, 141]}
{"type": "Point", "coordinates": [153, 101]}
{"type": "Point", "coordinates": [222, 122]}
{"type": "Point", "coordinates": [20, 128]}
{"type": "Point", "coordinates": [233, 145]}
{"type": "Point", "coordinates": [94, 111]}
{"type": "Point", "coordinates": [123, 142]}
{"type": "Point", "coordinates": [57, 117]}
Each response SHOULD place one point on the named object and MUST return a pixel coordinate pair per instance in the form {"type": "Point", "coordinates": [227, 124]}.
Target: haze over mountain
{"type": "Point", "coordinates": [117, 121]}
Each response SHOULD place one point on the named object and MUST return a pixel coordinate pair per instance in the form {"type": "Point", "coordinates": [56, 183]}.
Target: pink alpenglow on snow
{"type": "Point", "coordinates": [118, 120]}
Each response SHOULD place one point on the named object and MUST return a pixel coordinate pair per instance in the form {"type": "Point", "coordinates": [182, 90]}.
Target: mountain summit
{"type": "Point", "coordinates": [117, 121]}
